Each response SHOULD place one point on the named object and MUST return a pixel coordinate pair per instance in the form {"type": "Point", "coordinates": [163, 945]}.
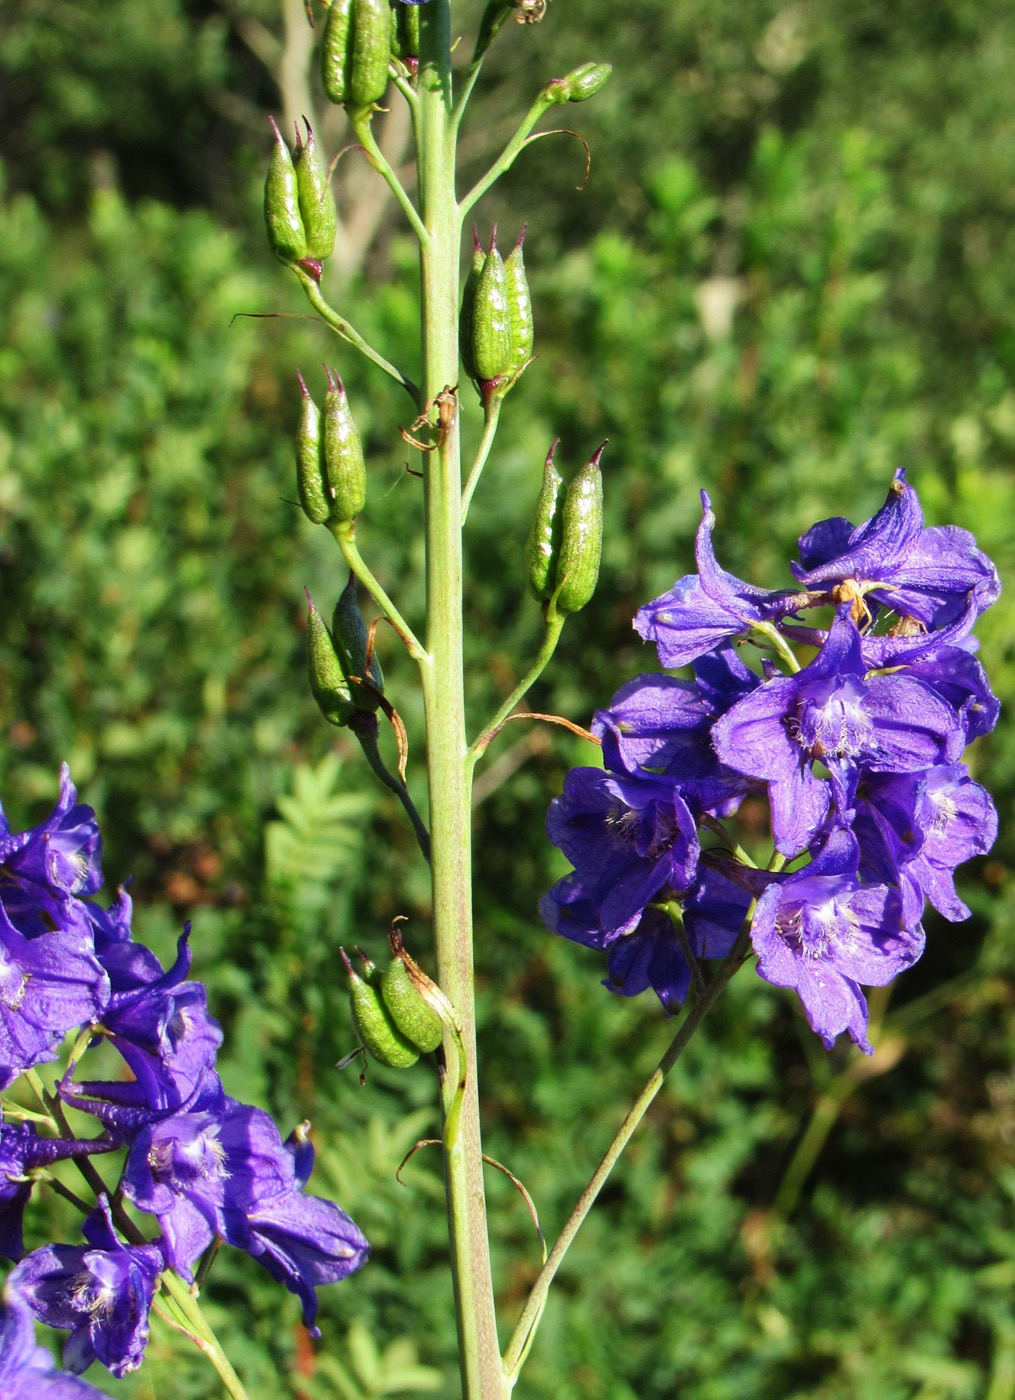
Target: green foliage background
{"type": "Point", "coordinates": [792, 270]}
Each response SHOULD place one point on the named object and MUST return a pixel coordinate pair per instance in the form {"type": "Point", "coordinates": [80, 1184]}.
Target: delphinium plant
{"type": "Point", "coordinates": [844, 699]}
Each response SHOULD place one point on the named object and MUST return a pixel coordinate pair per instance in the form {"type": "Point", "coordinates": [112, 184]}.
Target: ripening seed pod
{"type": "Point", "coordinates": [335, 50]}
{"type": "Point", "coordinates": [344, 468]}
{"type": "Point", "coordinates": [286, 235]}
{"type": "Point", "coordinates": [371, 972]}
{"type": "Point", "coordinates": [585, 81]}
{"type": "Point", "coordinates": [542, 548]}
{"type": "Point", "coordinates": [370, 52]}
{"type": "Point", "coordinates": [581, 544]}
{"type": "Point", "coordinates": [310, 461]}
{"type": "Point", "coordinates": [317, 203]}
{"type": "Point", "coordinates": [519, 306]}
{"type": "Point", "coordinates": [411, 1013]}
{"type": "Point", "coordinates": [491, 321]}
{"type": "Point", "coordinates": [327, 680]}
{"type": "Point", "coordinates": [404, 30]}
{"type": "Point", "coordinates": [351, 638]}
{"type": "Point", "coordinates": [374, 1025]}
{"type": "Point", "coordinates": [466, 318]}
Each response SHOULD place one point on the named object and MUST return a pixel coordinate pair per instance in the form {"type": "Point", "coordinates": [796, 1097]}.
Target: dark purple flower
{"type": "Point", "coordinates": [825, 935]}
{"type": "Point", "coordinates": [628, 839]}
{"type": "Point", "coordinates": [102, 1295]}
{"type": "Point", "coordinates": [923, 573]}
{"type": "Point", "coordinates": [22, 1149]}
{"type": "Point", "coordinates": [62, 856]}
{"type": "Point", "coordinates": [26, 1369]}
{"type": "Point", "coordinates": [832, 713]}
{"type": "Point", "coordinates": [711, 914]}
{"type": "Point", "coordinates": [703, 609]}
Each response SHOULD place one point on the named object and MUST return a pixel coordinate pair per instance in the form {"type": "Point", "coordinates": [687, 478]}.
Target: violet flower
{"type": "Point", "coordinates": [26, 1369]}
{"type": "Point", "coordinates": [102, 1294]}
{"type": "Point", "coordinates": [21, 1150]}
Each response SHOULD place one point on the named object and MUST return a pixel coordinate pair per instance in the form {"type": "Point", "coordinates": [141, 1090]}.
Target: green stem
{"type": "Point", "coordinates": [376, 157]}
{"type": "Point", "coordinates": [444, 701]}
{"type": "Point", "coordinates": [734, 847]}
{"type": "Point", "coordinates": [341, 327]}
{"type": "Point", "coordinates": [507, 157]}
{"type": "Point", "coordinates": [521, 1339]}
{"type": "Point", "coordinates": [345, 537]}
{"type": "Point", "coordinates": [203, 1337]}
{"type": "Point", "coordinates": [364, 726]}
{"type": "Point", "coordinates": [551, 635]}
{"type": "Point", "coordinates": [490, 419]}
{"type": "Point", "coordinates": [778, 642]}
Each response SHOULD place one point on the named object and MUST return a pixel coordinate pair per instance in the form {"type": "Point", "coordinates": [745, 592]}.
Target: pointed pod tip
{"type": "Point", "coordinates": [521, 237]}
{"type": "Point", "coordinates": [553, 448]}
{"type": "Point", "coordinates": [303, 384]}
{"type": "Point", "coordinates": [310, 601]}
{"type": "Point", "coordinates": [331, 378]}
{"type": "Point", "coordinates": [348, 965]}
{"type": "Point", "coordinates": [594, 459]}
{"type": "Point", "coordinates": [278, 134]}
{"type": "Point", "coordinates": [477, 246]}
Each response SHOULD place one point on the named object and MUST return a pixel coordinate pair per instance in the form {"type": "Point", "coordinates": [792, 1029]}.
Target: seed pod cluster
{"type": "Point", "coordinates": [495, 331]}
{"type": "Point", "coordinates": [317, 203]}
{"type": "Point", "coordinates": [390, 1012]}
{"type": "Point", "coordinates": [330, 468]}
{"type": "Point", "coordinates": [404, 31]}
{"type": "Point", "coordinates": [355, 51]}
{"type": "Point", "coordinates": [299, 208]}
{"type": "Point", "coordinates": [566, 537]}
{"type": "Point", "coordinates": [287, 237]}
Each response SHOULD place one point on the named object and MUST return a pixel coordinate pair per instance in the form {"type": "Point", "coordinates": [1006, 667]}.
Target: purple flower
{"type": "Point", "coordinates": [27, 1369]}
{"type": "Point", "coordinates": [103, 1295]}
{"type": "Point", "coordinates": [703, 609]}
{"type": "Point", "coordinates": [628, 839]}
{"type": "Point", "coordinates": [22, 1149]}
{"type": "Point", "coordinates": [220, 1168]}
{"type": "Point", "coordinates": [61, 857]}
{"type": "Point", "coordinates": [825, 935]}
{"type": "Point", "coordinates": [711, 914]}
{"type": "Point", "coordinates": [832, 713]}
{"type": "Point", "coordinates": [924, 573]}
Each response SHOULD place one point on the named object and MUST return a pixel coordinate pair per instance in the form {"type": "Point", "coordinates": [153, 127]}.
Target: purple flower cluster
{"type": "Point", "coordinates": [205, 1166]}
{"type": "Point", "coordinates": [858, 753]}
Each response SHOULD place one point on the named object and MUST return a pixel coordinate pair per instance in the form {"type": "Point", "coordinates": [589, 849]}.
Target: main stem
{"type": "Point", "coordinates": [444, 698]}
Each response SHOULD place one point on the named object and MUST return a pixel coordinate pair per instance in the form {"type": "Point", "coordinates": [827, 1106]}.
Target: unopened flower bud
{"type": "Point", "coordinates": [467, 315]}
{"type": "Point", "coordinates": [370, 52]}
{"type": "Point", "coordinates": [317, 203]}
{"type": "Point", "coordinates": [581, 543]}
{"type": "Point", "coordinates": [352, 639]}
{"type": "Point", "coordinates": [344, 468]}
{"type": "Point", "coordinates": [414, 1016]}
{"type": "Point", "coordinates": [578, 85]}
{"type": "Point", "coordinates": [542, 548]}
{"type": "Point", "coordinates": [286, 235]}
{"type": "Point", "coordinates": [519, 306]}
{"type": "Point", "coordinates": [327, 679]}
{"type": "Point", "coordinates": [336, 50]}
{"type": "Point", "coordinates": [491, 321]}
{"type": "Point", "coordinates": [374, 1025]}
{"type": "Point", "coordinates": [310, 461]}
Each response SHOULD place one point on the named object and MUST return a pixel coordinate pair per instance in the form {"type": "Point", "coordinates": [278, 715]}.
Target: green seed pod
{"type": "Point", "coordinates": [404, 30]}
{"type": "Point", "coordinates": [317, 203]}
{"type": "Point", "coordinates": [370, 52]}
{"type": "Point", "coordinates": [335, 50]}
{"type": "Point", "coordinates": [371, 972]}
{"type": "Point", "coordinates": [584, 82]}
{"type": "Point", "coordinates": [519, 306]}
{"type": "Point", "coordinates": [351, 638]}
{"type": "Point", "coordinates": [414, 1016]}
{"type": "Point", "coordinates": [344, 468]}
{"type": "Point", "coordinates": [309, 460]}
{"type": "Point", "coordinates": [542, 548]}
{"type": "Point", "coordinates": [582, 539]}
{"type": "Point", "coordinates": [374, 1025]}
{"type": "Point", "coordinates": [468, 312]}
{"type": "Point", "coordinates": [327, 680]}
{"type": "Point", "coordinates": [491, 322]}
{"type": "Point", "coordinates": [286, 236]}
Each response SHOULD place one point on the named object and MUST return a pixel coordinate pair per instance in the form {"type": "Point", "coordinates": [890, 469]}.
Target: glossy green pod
{"type": "Point", "coordinates": [344, 468]}
{"type": "Point", "coordinates": [414, 1016]}
{"type": "Point", "coordinates": [491, 320]}
{"type": "Point", "coordinates": [404, 30]}
{"type": "Point", "coordinates": [585, 81]}
{"type": "Point", "coordinates": [351, 637]}
{"type": "Point", "coordinates": [309, 461]}
{"type": "Point", "coordinates": [286, 235]}
{"type": "Point", "coordinates": [335, 50]}
{"type": "Point", "coordinates": [370, 52]}
{"type": "Point", "coordinates": [317, 203]}
{"type": "Point", "coordinates": [327, 681]}
{"type": "Point", "coordinates": [374, 1025]}
{"type": "Point", "coordinates": [467, 315]}
{"type": "Point", "coordinates": [543, 545]}
{"type": "Point", "coordinates": [581, 543]}
{"type": "Point", "coordinates": [519, 306]}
